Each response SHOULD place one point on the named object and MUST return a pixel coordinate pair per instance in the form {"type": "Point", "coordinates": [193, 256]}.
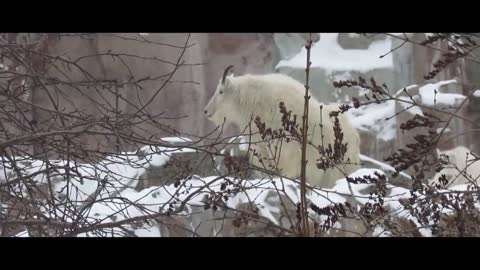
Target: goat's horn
{"type": "Point", "coordinates": [225, 73]}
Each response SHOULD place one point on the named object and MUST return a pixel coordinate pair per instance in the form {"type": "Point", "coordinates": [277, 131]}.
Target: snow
{"type": "Point", "coordinates": [22, 234]}
{"type": "Point", "coordinates": [429, 98]}
{"type": "Point", "coordinates": [119, 200]}
{"type": "Point", "coordinates": [158, 160]}
{"type": "Point", "coordinates": [176, 139]}
{"type": "Point", "coordinates": [379, 231]}
{"type": "Point", "coordinates": [427, 35]}
{"type": "Point", "coordinates": [476, 93]}
{"type": "Point", "coordinates": [159, 156]}
{"type": "Point", "coordinates": [407, 106]}
{"type": "Point", "coordinates": [372, 118]}
{"type": "Point", "coordinates": [148, 232]}
{"type": "Point", "coordinates": [382, 165]}
{"type": "Point", "coordinates": [330, 56]}
{"type": "Point", "coordinates": [362, 197]}
{"type": "Point", "coordinates": [445, 130]}
{"type": "Point", "coordinates": [343, 75]}
{"type": "Point", "coordinates": [154, 199]}
{"type": "Point", "coordinates": [242, 142]}
{"type": "Point", "coordinates": [400, 91]}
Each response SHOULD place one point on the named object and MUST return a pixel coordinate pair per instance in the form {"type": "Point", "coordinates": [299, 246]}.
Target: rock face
{"type": "Point", "coordinates": [290, 44]}
{"type": "Point", "coordinates": [129, 56]}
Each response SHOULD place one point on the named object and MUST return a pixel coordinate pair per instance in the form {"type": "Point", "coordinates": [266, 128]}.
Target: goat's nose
{"type": "Point", "coordinates": [206, 111]}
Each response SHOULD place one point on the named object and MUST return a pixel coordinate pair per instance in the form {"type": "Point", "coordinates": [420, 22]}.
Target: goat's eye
{"type": "Point", "coordinates": [221, 92]}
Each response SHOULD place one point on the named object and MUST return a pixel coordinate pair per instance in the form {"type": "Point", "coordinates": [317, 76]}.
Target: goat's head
{"type": "Point", "coordinates": [218, 105]}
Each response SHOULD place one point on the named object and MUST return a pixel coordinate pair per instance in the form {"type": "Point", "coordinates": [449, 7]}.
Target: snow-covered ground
{"type": "Point", "coordinates": [119, 200]}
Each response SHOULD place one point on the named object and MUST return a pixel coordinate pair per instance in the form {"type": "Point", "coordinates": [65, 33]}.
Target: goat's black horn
{"type": "Point", "coordinates": [226, 72]}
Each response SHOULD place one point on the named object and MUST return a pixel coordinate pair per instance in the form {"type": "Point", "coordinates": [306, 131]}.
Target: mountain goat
{"type": "Point", "coordinates": [239, 99]}
{"type": "Point", "coordinates": [457, 165]}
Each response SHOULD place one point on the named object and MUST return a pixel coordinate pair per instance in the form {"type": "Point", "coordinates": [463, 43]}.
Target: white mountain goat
{"type": "Point", "coordinates": [458, 165]}
{"type": "Point", "coordinates": [240, 99]}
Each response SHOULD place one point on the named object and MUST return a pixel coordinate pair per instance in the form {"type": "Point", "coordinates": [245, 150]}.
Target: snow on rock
{"type": "Point", "coordinates": [376, 118]}
{"type": "Point", "coordinates": [382, 165]}
{"type": "Point", "coordinates": [148, 232]}
{"type": "Point", "coordinates": [380, 231]}
{"type": "Point", "coordinates": [408, 88]}
{"type": "Point", "coordinates": [428, 96]}
{"type": "Point", "coordinates": [444, 130]}
{"type": "Point", "coordinates": [22, 234]}
{"type": "Point", "coordinates": [120, 201]}
{"type": "Point", "coordinates": [4, 67]}
{"type": "Point", "coordinates": [344, 187]}
{"type": "Point", "coordinates": [395, 194]}
{"type": "Point", "coordinates": [154, 156]}
{"type": "Point", "coordinates": [329, 55]}
{"type": "Point", "coordinates": [476, 93]}
{"type": "Point", "coordinates": [176, 139]}
{"type": "Point", "coordinates": [158, 156]}
{"type": "Point", "coordinates": [260, 191]}
{"type": "Point", "coordinates": [407, 106]}
{"type": "Point", "coordinates": [128, 202]}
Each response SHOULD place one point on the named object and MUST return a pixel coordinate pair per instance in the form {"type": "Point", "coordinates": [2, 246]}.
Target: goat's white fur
{"type": "Point", "coordinates": [458, 166]}
{"type": "Point", "coordinates": [242, 98]}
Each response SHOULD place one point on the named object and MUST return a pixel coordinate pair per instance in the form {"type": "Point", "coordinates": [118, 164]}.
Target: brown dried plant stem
{"type": "Point", "coordinates": [303, 195]}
